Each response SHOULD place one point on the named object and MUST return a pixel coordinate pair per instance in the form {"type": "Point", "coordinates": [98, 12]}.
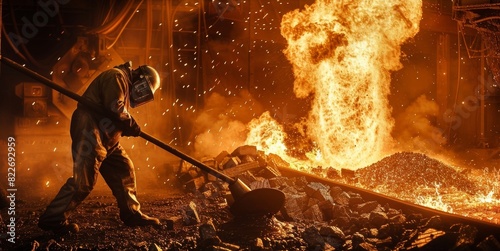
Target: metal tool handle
{"type": "Point", "coordinates": [98, 109]}
{"type": "Point", "coordinates": [187, 158]}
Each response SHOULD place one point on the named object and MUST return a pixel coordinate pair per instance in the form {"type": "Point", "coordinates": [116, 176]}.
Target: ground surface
{"type": "Point", "coordinates": [101, 228]}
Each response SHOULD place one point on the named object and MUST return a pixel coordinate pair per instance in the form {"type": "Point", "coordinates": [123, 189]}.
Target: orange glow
{"type": "Point", "coordinates": [343, 53]}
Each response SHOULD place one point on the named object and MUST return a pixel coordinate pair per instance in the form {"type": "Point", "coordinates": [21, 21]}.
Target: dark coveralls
{"type": "Point", "coordinates": [96, 148]}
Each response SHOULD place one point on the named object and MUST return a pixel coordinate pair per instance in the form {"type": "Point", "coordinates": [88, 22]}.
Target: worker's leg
{"type": "Point", "coordinates": [87, 154]}
{"type": "Point", "coordinates": [118, 172]}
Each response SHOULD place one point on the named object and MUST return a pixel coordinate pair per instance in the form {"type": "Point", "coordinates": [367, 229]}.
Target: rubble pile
{"type": "Point", "coordinates": [326, 217]}
{"type": "Point", "coordinates": [245, 163]}
{"type": "Point", "coordinates": [408, 171]}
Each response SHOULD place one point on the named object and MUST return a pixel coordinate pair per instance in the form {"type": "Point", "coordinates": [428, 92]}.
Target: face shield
{"type": "Point", "coordinates": [143, 89]}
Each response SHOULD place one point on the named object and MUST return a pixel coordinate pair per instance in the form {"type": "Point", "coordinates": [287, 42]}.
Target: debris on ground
{"type": "Point", "coordinates": [316, 215]}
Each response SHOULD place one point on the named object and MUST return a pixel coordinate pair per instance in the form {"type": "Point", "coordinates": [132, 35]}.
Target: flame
{"type": "Point", "coordinates": [267, 134]}
{"type": "Point", "coordinates": [488, 198]}
{"type": "Point", "coordinates": [342, 53]}
{"type": "Point", "coordinates": [435, 202]}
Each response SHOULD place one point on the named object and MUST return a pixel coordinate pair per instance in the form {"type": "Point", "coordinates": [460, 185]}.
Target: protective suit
{"type": "Point", "coordinates": [96, 149]}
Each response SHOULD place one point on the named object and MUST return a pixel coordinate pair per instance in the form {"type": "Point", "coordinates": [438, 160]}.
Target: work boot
{"type": "Point", "coordinates": [140, 219]}
{"type": "Point", "coordinates": [60, 229]}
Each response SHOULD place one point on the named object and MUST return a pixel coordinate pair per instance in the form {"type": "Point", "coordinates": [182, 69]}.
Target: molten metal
{"type": "Point", "coordinates": [342, 54]}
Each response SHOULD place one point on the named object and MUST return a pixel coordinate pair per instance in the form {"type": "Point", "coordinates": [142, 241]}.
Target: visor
{"type": "Point", "coordinates": [141, 92]}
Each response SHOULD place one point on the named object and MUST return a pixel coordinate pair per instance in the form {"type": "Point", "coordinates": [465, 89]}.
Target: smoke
{"type": "Point", "coordinates": [221, 126]}
{"type": "Point", "coordinates": [416, 128]}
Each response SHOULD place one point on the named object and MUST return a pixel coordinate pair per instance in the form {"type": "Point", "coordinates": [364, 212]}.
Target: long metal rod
{"type": "Point", "coordinates": [98, 109]}
{"type": "Point", "coordinates": [187, 158]}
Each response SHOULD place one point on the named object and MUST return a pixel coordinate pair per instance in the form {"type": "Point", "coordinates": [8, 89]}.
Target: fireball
{"type": "Point", "coordinates": [342, 54]}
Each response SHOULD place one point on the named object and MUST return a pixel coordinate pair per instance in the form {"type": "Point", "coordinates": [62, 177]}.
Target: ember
{"type": "Point", "coordinates": [406, 172]}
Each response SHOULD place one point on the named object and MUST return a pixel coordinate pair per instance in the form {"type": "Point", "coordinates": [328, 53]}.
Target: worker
{"type": "Point", "coordinates": [96, 148]}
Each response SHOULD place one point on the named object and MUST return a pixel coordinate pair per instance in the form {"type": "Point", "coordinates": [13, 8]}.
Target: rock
{"type": "Point", "coordinates": [154, 247]}
{"type": "Point", "coordinates": [378, 219]}
{"type": "Point", "coordinates": [365, 246]}
{"type": "Point", "coordinates": [373, 232]}
{"type": "Point", "coordinates": [293, 206]}
{"type": "Point", "coordinates": [382, 231]}
{"type": "Point", "coordinates": [170, 222]}
{"type": "Point", "coordinates": [384, 244]}
{"type": "Point", "coordinates": [234, 168]}
{"type": "Point", "coordinates": [269, 172]}
{"type": "Point", "coordinates": [335, 191]}
{"type": "Point", "coordinates": [190, 214]}
{"type": "Point", "coordinates": [228, 246]}
{"type": "Point", "coordinates": [259, 183]}
{"type": "Point", "coordinates": [195, 184]}
{"type": "Point", "coordinates": [357, 238]}
{"type": "Point", "coordinates": [244, 150]}
{"type": "Point", "coordinates": [347, 173]}
{"type": "Point", "coordinates": [247, 177]}
{"type": "Point", "coordinates": [35, 245]}
{"type": "Point", "coordinates": [220, 158]}
{"type": "Point", "coordinates": [313, 237]}
{"type": "Point", "coordinates": [355, 199]}
{"type": "Point", "coordinates": [334, 236]}
{"type": "Point", "coordinates": [489, 244]}
{"type": "Point", "coordinates": [326, 208]}
{"type": "Point", "coordinates": [318, 191]}
{"type": "Point", "coordinates": [342, 199]}
{"type": "Point", "coordinates": [367, 206]}
{"type": "Point", "coordinates": [208, 234]}
{"type": "Point", "coordinates": [466, 236]}
{"type": "Point", "coordinates": [313, 213]}
{"type": "Point", "coordinates": [230, 162]}
{"type": "Point", "coordinates": [397, 219]}
{"type": "Point", "coordinates": [299, 182]}
{"type": "Point", "coordinates": [434, 222]}
{"type": "Point", "coordinates": [258, 244]}
{"type": "Point", "coordinates": [278, 182]}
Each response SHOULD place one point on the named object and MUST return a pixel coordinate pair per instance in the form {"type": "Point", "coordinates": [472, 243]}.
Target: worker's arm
{"type": "Point", "coordinates": [115, 91]}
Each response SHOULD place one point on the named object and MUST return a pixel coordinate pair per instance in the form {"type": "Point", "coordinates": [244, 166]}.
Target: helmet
{"type": "Point", "coordinates": [143, 89]}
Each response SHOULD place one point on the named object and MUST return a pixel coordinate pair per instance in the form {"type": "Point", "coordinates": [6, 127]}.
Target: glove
{"type": "Point", "coordinates": [131, 128]}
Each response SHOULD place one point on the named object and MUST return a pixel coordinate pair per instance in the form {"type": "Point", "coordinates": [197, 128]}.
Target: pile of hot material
{"type": "Point", "coordinates": [319, 215]}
